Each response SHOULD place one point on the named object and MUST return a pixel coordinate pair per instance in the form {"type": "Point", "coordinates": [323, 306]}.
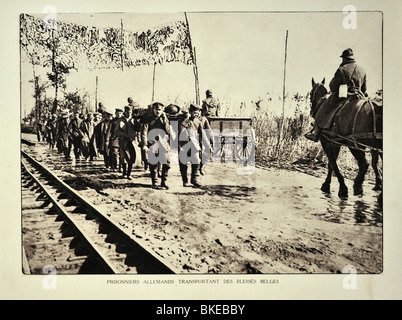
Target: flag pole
{"type": "Point", "coordinates": [283, 96]}
{"type": "Point", "coordinates": [121, 45]}
{"type": "Point", "coordinates": [153, 83]}
{"type": "Point", "coordinates": [195, 69]}
{"type": "Point", "coordinates": [197, 85]}
{"type": "Point", "coordinates": [96, 94]}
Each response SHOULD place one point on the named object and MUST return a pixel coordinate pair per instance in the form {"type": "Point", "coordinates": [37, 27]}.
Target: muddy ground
{"type": "Point", "coordinates": [271, 220]}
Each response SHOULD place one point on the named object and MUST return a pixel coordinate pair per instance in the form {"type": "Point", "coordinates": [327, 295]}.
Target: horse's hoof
{"type": "Point", "coordinates": [377, 187]}
{"type": "Point", "coordinates": [325, 188]}
{"type": "Point", "coordinates": [357, 190]}
{"type": "Point", "coordinates": [343, 193]}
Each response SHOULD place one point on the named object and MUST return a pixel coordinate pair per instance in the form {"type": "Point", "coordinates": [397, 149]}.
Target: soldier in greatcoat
{"type": "Point", "coordinates": [63, 135]}
{"type": "Point", "coordinates": [88, 142]}
{"type": "Point", "coordinates": [126, 132]}
{"type": "Point", "coordinates": [190, 139]}
{"type": "Point", "coordinates": [51, 130]}
{"type": "Point", "coordinates": [114, 141]}
{"type": "Point", "coordinates": [348, 73]}
{"type": "Point", "coordinates": [104, 137]}
{"type": "Point", "coordinates": [76, 135]}
{"type": "Point", "coordinates": [155, 141]}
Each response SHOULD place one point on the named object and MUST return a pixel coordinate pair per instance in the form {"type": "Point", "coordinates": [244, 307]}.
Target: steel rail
{"type": "Point", "coordinates": [158, 263]}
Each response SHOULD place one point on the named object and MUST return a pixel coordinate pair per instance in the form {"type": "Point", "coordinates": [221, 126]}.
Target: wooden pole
{"type": "Point", "coordinates": [153, 83]}
{"type": "Point", "coordinates": [121, 46]}
{"type": "Point", "coordinates": [197, 85]}
{"type": "Point", "coordinates": [283, 97]}
{"type": "Point", "coordinates": [195, 69]}
{"type": "Point", "coordinates": [96, 94]}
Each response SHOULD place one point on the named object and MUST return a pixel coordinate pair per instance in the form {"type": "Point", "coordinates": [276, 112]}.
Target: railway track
{"type": "Point", "coordinates": [60, 228]}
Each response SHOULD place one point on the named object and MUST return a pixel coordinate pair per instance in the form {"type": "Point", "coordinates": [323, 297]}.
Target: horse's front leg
{"type": "Point", "coordinates": [326, 186]}
{"type": "Point", "coordinates": [378, 172]}
{"type": "Point", "coordinates": [363, 166]}
{"type": "Point", "coordinates": [332, 152]}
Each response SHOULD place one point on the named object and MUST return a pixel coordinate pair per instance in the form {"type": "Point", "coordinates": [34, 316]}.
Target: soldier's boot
{"type": "Point", "coordinates": [124, 166]}
{"type": "Point", "coordinates": [164, 175]}
{"type": "Point", "coordinates": [129, 168]}
{"type": "Point", "coordinates": [159, 170]}
{"type": "Point", "coordinates": [314, 135]}
{"type": "Point", "coordinates": [154, 180]}
{"type": "Point", "coordinates": [194, 175]}
{"type": "Point", "coordinates": [201, 169]}
{"type": "Point", "coordinates": [183, 173]}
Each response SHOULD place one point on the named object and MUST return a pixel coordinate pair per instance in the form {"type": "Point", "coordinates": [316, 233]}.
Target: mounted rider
{"type": "Point", "coordinates": [349, 81]}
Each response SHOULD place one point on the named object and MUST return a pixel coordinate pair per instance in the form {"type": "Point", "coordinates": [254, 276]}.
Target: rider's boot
{"type": "Point", "coordinates": [314, 135]}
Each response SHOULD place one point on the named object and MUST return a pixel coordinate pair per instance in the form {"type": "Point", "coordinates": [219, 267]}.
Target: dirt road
{"type": "Point", "coordinates": [267, 221]}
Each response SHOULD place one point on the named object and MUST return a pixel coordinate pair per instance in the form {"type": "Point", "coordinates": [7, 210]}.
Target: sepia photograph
{"type": "Point", "coordinates": [193, 147]}
{"type": "Point", "coordinates": [202, 142]}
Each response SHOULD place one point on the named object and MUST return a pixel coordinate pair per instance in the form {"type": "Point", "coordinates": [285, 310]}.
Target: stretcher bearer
{"type": "Point", "coordinates": [155, 141]}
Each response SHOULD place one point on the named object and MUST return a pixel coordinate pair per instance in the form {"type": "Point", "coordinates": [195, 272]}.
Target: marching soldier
{"type": "Point", "coordinates": [126, 133]}
{"type": "Point", "coordinates": [114, 140]}
{"type": "Point", "coordinates": [190, 135]}
{"type": "Point", "coordinates": [104, 137]}
{"type": "Point", "coordinates": [88, 142]}
{"type": "Point", "coordinates": [138, 115]}
{"type": "Point", "coordinates": [51, 130]}
{"type": "Point", "coordinates": [76, 135]}
{"type": "Point", "coordinates": [63, 135]}
{"type": "Point", "coordinates": [155, 141]}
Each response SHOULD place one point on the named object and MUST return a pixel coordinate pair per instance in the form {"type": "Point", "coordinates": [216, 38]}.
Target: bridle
{"type": "Point", "coordinates": [313, 99]}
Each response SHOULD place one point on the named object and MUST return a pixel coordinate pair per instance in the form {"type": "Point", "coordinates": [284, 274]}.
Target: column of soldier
{"type": "Point", "coordinates": [126, 135]}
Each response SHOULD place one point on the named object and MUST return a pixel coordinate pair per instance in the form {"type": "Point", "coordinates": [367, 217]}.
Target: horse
{"type": "Point", "coordinates": [357, 125]}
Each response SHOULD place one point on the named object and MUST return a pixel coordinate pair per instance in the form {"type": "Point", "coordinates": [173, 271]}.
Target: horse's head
{"type": "Point", "coordinates": [317, 92]}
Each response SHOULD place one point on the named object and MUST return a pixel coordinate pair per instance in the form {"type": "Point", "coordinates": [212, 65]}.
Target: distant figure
{"type": "Point", "coordinates": [132, 103]}
{"type": "Point", "coordinates": [210, 106]}
{"type": "Point", "coordinates": [101, 108]}
{"type": "Point", "coordinates": [349, 74]}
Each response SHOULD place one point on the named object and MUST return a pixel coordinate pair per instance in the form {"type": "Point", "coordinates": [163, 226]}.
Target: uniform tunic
{"type": "Point", "coordinates": [125, 131]}
{"type": "Point", "coordinates": [152, 122]}
{"type": "Point", "coordinates": [348, 73]}
{"type": "Point", "coordinates": [210, 107]}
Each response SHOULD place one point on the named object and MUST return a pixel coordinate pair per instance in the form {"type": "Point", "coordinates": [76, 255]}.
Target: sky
{"type": "Point", "coordinates": [240, 56]}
